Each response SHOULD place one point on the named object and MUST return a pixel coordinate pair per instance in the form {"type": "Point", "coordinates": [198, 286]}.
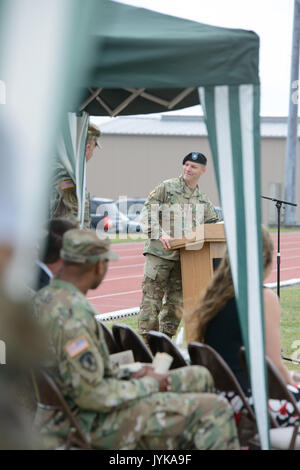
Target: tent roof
{"type": "Point", "coordinates": [140, 51]}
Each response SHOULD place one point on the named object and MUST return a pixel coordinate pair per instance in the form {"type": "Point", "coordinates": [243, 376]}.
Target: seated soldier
{"type": "Point", "coordinates": [118, 409]}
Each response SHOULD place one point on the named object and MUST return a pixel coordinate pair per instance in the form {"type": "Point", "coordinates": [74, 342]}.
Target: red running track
{"type": "Point", "coordinates": [121, 288]}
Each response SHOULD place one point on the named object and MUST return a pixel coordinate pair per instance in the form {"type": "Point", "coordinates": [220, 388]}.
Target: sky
{"type": "Point", "coordinates": [272, 20]}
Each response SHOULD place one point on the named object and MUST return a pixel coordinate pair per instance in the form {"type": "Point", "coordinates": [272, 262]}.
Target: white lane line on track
{"type": "Point", "coordinates": [130, 257]}
{"type": "Point", "coordinates": [126, 266]}
{"type": "Point", "coordinates": [121, 252]}
{"type": "Point", "coordinates": [283, 244]}
{"type": "Point", "coordinates": [284, 258]}
{"type": "Point", "coordinates": [127, 245]}
{"type": "Point", "coordinates": [123, 277]}
{"type": "Point", "coordinates": [285, 269]}
{"type": "Point", "coordinates": [131, 248]}
{"type": "Point", "coordinates": [114, 295]}
{"type": "Point", "coordinates": [287, 249]}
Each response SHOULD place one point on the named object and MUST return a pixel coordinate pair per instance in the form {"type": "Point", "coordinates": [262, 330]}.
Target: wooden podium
{"type": "Point", "coordinates": [200, 253]}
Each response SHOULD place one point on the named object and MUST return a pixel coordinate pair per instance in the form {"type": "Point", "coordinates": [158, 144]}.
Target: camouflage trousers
{"type": "Point", "coordinates": [190, 417]}
{"type": "Point", "coordinates": [162, 280]}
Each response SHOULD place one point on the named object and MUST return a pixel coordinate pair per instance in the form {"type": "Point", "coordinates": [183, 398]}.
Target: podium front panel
{"type": "Point", "coordinates": [197, 268]}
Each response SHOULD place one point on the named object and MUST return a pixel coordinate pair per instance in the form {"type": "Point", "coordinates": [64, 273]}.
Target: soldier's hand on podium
{"type": "Point", "coordinates": [165, 239]}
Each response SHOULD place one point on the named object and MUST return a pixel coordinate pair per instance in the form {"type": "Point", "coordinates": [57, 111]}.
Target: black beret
{"type": "Point", "coordinates": [195, 157]}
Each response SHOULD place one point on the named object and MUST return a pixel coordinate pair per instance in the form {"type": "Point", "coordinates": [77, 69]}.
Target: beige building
{"type": "Point", "coordinates": [140, 152]}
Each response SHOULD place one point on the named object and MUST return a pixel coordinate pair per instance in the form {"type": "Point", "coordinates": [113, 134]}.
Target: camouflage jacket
{"type": "Point", "coordinates": [175, 209]}
{"type": "Point", "coordinates": [64, 201]}
{"type": "Point", "coordinates": [80, 364]}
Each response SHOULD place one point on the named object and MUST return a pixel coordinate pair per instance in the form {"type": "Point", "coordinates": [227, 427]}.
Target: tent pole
{"type": "Point", "coordinates": [292, 138]}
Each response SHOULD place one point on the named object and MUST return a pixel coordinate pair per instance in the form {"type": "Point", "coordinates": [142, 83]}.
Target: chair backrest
{"type": "Point", "coordinates": [109, 339]}
{"type": "Point", "coordinates": [277, 388]}
{"type": "Point", "coordinates": [159, 342]}
{"type": "Point", "coordinates": [224, 378]}
{"type": "Point", "coordinates": [126, 338]}
{"type": "Point", "coordinates": [49, 395]}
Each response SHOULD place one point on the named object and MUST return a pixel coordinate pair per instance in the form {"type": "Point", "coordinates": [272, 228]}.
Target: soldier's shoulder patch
{"type": "Point", "coordinates": [77, 346]}
{"type": "Point", "coordinates": [88, 361]}
{"type": "Point", "coordinates": [66, 184]}
{"type": "Point", "coordinates": [152, 192]}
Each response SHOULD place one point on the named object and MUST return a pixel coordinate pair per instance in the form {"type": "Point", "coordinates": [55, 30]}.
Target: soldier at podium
{"type": "Point", "coordinates": [172, 210]}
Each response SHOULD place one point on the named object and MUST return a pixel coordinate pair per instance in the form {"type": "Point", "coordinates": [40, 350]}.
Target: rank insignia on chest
{"type": "Point", "coordinates": [77, 346]}
{"type": "Point", "coordinates": [66, 184]}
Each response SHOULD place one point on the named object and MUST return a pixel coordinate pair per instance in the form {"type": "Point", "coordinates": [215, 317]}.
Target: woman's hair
{"type": "Point", "coordinates": [220, 290]}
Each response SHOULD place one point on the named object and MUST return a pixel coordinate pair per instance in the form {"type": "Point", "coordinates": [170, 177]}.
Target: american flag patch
{"type": "Point", "coordinates": [77, 346]}
{"type": "Point", "coordinates": [66, 184]}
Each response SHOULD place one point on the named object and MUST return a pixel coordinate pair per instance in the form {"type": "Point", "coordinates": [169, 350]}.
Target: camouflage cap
{"type": "Point", "coordinates": [93, 133]}
{"type": "Point", "coordinates": [84, 246]}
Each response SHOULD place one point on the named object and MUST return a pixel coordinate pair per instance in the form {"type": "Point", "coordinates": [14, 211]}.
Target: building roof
{"type": "Point", "coordinates": [182, 125]}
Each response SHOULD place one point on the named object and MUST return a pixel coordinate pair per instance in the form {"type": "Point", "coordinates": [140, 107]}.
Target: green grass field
{"type": "Point", "coordinates": [290, 324]}
{"type": "Point", "coordinates": [284, 229]}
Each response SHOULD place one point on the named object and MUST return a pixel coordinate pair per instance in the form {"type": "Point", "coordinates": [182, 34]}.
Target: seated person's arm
{"type": "Point", "coordinates": [83, 370]}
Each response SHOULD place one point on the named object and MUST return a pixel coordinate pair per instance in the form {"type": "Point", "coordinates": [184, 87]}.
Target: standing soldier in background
{"type": "Point", "coordinates": [179, 202]}
{"type": "Point", "coordinates": [64, 199]}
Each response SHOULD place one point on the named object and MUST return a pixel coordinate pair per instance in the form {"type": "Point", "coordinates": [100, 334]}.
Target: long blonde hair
{"type": "Point", "coordinates": [220, 290]}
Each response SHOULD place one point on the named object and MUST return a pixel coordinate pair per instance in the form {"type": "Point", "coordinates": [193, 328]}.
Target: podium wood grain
{"type": "Point", "coordinates": [196, 259]}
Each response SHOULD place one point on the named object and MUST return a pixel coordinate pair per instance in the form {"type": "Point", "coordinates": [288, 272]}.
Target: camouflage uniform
{"type": "Point", "coordinates": [115, 411]}
{"type": "Point", "coordinates": [162, 273]}
{"type": "Point", "coordinates": [64, 201]}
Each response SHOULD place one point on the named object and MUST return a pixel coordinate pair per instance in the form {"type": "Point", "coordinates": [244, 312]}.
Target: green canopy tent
{"type": "Point", "coordinates": [145, 62]}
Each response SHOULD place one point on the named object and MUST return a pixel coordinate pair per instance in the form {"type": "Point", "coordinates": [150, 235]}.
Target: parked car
{"type": "Point", "coordinates": [106, 217]}
{"type": "Point", "coordinates": [132, 207]}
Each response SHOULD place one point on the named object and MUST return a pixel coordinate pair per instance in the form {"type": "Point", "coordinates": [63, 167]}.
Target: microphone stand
{"type": "Point", "coordinates": [278, 206]}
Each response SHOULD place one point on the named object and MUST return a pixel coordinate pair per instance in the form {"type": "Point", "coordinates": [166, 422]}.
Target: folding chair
{"type": "Point", "coordinates": [126, 338]}
{"type": "Point", "coordinates": [281, 438]}
{"type": "Point", "coordinates": [159, 342]}
{"type": "Point", "coordinates": [49, 396]}
{"type": "Point", "coordinates": [109, 338]}
{"type": "Point", "coordinates": [225, 381]}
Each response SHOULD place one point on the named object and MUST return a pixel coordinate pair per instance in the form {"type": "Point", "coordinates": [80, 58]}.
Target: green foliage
{"type": "Point", "coordinates": [284, 229]}
{"type": "Point", "coordinates": [130, 321]}
{"type": "Point", "coordinates": [290, 323]}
